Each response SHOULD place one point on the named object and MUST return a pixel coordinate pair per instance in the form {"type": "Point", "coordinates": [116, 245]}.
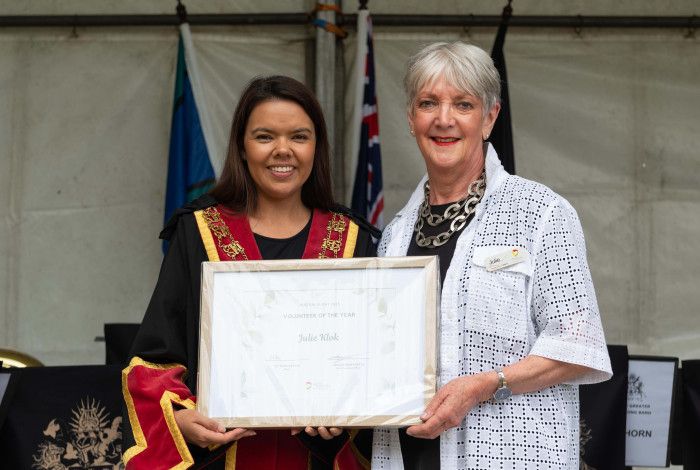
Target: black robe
{"type": "Point", "coordinates": [169, 333]}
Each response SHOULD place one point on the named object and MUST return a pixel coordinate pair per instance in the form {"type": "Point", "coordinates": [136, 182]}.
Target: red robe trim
{"type": "Point", "coordinates": [150, 392]}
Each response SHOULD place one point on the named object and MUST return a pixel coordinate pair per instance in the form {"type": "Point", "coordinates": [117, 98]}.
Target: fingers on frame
{"type": "Point", "coordinates": [329, 433]}
{"type": "Point", "coordinates": [435, 404]}
{"type": "Point", "coordinates": [326, 433]}
{"type": "Point", "coordinates": [207, 437]}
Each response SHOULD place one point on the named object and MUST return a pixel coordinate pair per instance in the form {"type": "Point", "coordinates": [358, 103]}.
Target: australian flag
{"type": "Point", "coordinates": [190, 172]}
{"type": "Point", "coordinates": [367, 194]}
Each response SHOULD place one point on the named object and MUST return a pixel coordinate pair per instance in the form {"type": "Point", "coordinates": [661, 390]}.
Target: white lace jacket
{"type": "Point", "coordinates": [545, 306]}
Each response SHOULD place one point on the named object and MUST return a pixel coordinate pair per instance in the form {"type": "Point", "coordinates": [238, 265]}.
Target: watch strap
{"type": "Point", "coordinates": [502, 382]}
{"type": "Point", "coordinates": [503, 392]}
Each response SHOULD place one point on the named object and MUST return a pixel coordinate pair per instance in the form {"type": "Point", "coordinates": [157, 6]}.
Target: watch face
{"type": "Point", "coordinates": [502, 393]}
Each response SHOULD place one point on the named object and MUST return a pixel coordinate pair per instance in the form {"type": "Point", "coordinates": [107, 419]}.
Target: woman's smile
{"type": "Point", "coordinates": [445, 141]}
{"type": "Point", "coordinates": [281, 171]}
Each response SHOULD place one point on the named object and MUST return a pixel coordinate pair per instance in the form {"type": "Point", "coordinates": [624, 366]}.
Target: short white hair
{"type": "Point", "coordinates": [464, 66]}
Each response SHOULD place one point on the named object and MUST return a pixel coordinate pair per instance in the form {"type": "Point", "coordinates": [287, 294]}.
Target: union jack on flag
{"type": "Point", "coordinates": [367, 194]}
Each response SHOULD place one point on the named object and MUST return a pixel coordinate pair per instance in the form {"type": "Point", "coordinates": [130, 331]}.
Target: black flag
{"type": "Point", "coordinates": [603, 417]}
{"type": "Point", "coordinates": [691, 414]}
{"type": "Point", "coordinates": [502, 134]}
{"type": "Point", "coordinates": [63, 417]}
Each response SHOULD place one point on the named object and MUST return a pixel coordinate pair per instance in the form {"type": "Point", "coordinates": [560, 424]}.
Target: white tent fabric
{"type": "Point", "coordinates": [609, 119]}
{"type": "Point", "coordinates": [228, 61]}
{"type": "Point", "coordinates": [84, 127]}
{"type": "Point", "coordinates": [84, 130]}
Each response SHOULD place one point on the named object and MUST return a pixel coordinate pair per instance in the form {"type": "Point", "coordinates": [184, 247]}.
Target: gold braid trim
{"type": "Point", "coordinates": [207, 239]}
{"type": "Point", "coordinates": [221, 231]}
{"type": "Point", "coordinates": [334, 236]}
{"type": "Point", "coordinates": [231, 457]}
{"type": "Point", "coordinates": [166, 403]}
{"type": "Point", "coordinates": [351, 242]}
{"type": "Point", "coordinates": [358, 455]}
{"type": "Point", "coordinates": [140, 439]}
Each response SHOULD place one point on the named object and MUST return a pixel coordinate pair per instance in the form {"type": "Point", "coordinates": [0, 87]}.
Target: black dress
{"type": "Point", "coordinates": [424, 454]}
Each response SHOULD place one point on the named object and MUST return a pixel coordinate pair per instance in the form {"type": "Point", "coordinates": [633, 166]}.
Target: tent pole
{"type": "Point", "coordinates": [349, 20]}
{"type": "Point", "coordinates": [325, 70]}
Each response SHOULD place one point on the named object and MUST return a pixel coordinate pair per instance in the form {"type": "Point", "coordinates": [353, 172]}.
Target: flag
{"type": "Point", "coordinates": [62, 417]}
{"type": "Point", "coordinates": [691, 414]}
{"type": "Point", "coordinates": [603, 417]}
{"type": "Point", "coordinates": [502, 133]}
{"type": "Point", "coordinates": [190, 172]}
{"type": "Point", "coordinates": [367, 194]}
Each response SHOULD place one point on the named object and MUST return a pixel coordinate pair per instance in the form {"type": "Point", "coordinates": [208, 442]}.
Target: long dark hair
{"type": "Point", "coordinates": [236, 188]}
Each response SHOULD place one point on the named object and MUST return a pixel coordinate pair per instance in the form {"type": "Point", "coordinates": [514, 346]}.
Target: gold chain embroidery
{"type": "Point", "coordinates": [337, 226]}
{"type": "Point", "coordinates": [221, 231]}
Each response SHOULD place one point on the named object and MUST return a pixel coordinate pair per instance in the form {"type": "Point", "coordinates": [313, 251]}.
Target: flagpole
{"type": "Point", "coordinates": [356, 116]}
{"type": "Point", "coordinates": [325, 66]}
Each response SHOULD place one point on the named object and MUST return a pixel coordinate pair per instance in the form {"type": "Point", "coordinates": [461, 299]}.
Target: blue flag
{"type": "Point", "coordinates": [190, 173]}
{"type": "Point", "coordinates": [367, 194]}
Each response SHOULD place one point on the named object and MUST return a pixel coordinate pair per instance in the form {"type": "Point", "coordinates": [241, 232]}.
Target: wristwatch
{"type": "Point", "coordinates": [502, 392]}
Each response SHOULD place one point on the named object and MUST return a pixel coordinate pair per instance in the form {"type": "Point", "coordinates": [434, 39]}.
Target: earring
{"type": "Point", "coordinates": [411, 131]}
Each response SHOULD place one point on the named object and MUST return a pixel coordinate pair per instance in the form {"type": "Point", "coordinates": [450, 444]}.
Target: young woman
{"type": "Point", "coordinates": [273, 201]}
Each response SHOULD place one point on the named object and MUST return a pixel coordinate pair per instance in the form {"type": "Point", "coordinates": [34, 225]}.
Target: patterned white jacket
{"type": "Point", "coordinates": [544, 306]}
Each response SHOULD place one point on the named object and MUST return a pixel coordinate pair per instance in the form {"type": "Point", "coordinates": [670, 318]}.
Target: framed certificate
{"type": "Point", "coordinates": [289, 343]}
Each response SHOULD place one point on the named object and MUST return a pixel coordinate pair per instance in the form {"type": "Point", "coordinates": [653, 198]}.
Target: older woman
{"type": "Point", "coordinates": [273, 201]}
{"type": "Point", "coordinates": [520, 327]}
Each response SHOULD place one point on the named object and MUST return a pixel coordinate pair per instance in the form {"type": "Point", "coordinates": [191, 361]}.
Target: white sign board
{"type": "Point", "coordinates": [649, 404]}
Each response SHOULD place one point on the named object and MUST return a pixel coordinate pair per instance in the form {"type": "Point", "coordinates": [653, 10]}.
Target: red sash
{"type": "Point", "coordinates": [227, 236]}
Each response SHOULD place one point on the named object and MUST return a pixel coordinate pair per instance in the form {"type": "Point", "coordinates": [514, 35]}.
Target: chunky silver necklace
{"type": "Point", "coordinates": [458, 212]}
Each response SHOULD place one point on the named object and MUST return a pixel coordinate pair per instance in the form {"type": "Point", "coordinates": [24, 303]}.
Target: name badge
{"type": "Point", "coordinates": [505, 258]}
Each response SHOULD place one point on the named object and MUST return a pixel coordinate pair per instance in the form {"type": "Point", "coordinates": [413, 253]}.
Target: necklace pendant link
{"type": "Point", "coordinates": [458, 213]}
